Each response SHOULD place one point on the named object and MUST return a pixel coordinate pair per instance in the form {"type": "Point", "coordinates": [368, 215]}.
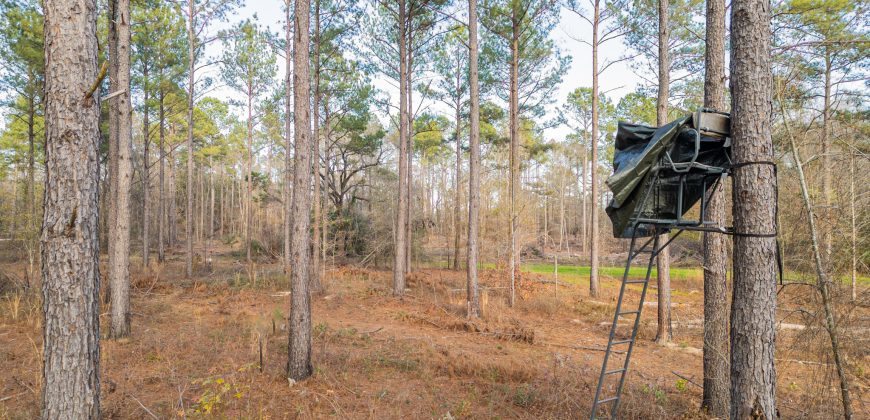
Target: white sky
{"type": "Point", "coordinates": [617, 81]}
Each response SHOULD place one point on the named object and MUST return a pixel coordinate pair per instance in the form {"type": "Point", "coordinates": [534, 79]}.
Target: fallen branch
{"type": "Point", "coordinates": [687, 379]}
{"type": "Point", "coordinates": [582, 348]}
{"type": "Point", "coordinates": [373, 331]}
{"type": "Point", "coordinates": [12, 396]}
{"type": "Point", "coordinates": [143, 407]}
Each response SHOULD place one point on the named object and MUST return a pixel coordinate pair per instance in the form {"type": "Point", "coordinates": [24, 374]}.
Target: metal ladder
{"type": "Point", "coordinates": [613, 342]}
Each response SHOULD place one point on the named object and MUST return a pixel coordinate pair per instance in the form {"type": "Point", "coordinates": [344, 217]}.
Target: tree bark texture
{"type": "Point", "coordinates": [716, 396]}
{"type": "Point", "coordinates": [593, 142]}
{"type": "Point", "coordinates": [70, 245]}
{"type": "Point", "coordinates": [191, 80]}
{"type": "Point", "coordinates": [299, 347]}
{"type": "Point", "coordinates": [664, 332]}
{"type": "Point", "coordinates": [514, 152]}
{"type": "Point", "coordinates": [753, 307]}
{"type": "Point", "coordinates": [472, 291]}
{"type": "Point", "coordinates": [119, 256]}
{"type": "Point", "coordinates": [401, 229]}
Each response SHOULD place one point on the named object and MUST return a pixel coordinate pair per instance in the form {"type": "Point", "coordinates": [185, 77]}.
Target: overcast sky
{"type": "Point", "coordinates": [618, 80]}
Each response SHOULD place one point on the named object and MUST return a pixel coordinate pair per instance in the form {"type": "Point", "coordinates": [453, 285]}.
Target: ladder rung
{"type": "Point", "coordinates": [613, 343]}
{"type": "Point", "coordinates": [636, 281]}
{"type": "Point", "coordinates": [606, 400]}
{"type": "Point", "coordinates": [629, 313]}
{"type": "Point", "coordinates": [610, 372]}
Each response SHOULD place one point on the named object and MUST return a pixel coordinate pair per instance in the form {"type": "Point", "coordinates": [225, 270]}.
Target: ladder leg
{"type": "Point", "coordinates": [613, 327]}
{"type": "Point", "coordinates": [636, 327]}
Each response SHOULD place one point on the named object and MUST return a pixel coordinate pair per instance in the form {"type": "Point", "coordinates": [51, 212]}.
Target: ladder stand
{"type": "Point", "coordinates": [622, 342]}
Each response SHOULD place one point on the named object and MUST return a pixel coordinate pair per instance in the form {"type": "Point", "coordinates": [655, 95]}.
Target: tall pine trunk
{"type": "Point", "coordinates": [161, 194]}
{"type": "Point", "coordinates": [664, 332]}
{"type": "Point", "coordinates": [593, 142]}
{"type": "Point", "coordinates": [249, 171]}
{"type": "Point", "coordinates": [457, 193]}
{"type": "Point", "coordinates": [472, 292]}
{"type": "Point", "coordinates": [753, 307]}
{"type": "Point", "coordinates": [146, 171]}
{"type": "Point", "coordinates": [191, 79]}
{"type": "Point", "coordinates": [70, 245]}
{"type": "Point", "coordinates": [315, 158]}
{"type": "Point", "coordinates": [299, 345]}
{"type": "Point", "coordinates": [288, 127]}
{"type": "Point", "coordinates": [716, 376]}
{"type": "Point", "coordinates": [119, 256]}
{"type": "Point", "coordinates": [514, 152]}
{"type": "Point", "coordinates": [401, 227]}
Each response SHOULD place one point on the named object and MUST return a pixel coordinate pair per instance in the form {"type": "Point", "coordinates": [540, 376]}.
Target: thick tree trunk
{"type": "Point", "coordinates": [299, 346]}
{"type": "Point", "coordinates": [472, 292]}
{"type": "Point", "coordinates": [70, 246]}
{"type": "Point", "coordinates": [119, 258]}
{"type": "Point", "coordinates": [191, 79]}
{"type": "Point", "coordinates": [514, 153]}
{"type": "Point", "coordinates": [664, 332]}
{"type": "Point", "coordinates": [753, 308]}
{"type": "Point", "coordinates": [401, 228]}
{"type": "Point", "coordinates": [593, 142]}
{"type": "Point", "coordinates": [716, 375]}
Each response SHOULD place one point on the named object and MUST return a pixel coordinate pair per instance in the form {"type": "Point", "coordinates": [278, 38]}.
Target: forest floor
{"type": "Point", "coordinates": [197, 347]}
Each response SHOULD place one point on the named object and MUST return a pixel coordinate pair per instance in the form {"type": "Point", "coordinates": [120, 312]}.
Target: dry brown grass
{"type": "Point", "coordinates": [216, 346]}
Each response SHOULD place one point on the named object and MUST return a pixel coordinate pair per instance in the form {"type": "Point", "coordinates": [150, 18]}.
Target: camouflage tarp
{"type": "Point", "coordinates": [640, 150]}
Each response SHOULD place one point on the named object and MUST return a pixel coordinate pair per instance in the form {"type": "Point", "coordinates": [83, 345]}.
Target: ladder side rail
{"type": "Point", "coordinates": [652, 259]}
{"type": "Point", "coordinates": [613, 326]}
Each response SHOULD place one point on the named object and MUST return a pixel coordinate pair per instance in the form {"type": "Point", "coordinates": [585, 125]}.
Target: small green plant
{"type": "Point", "coordinates": [682, 385]}
{"type": "Point", "coordinates": [525, 396]}
{"type": "Point", "coordinates": [321, 329]}
{"type": "Point", "coordinates": [216, 393]}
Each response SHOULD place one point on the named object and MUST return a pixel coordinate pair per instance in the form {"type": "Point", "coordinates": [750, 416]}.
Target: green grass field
{"type": "Point", "coordinates": [580, 273]}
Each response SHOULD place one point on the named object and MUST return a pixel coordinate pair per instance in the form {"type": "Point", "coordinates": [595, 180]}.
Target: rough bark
{"type": "Point", "coordinates": [299, 346]}
{"type": "Point", "coordinates": [664, 332]}
{"type": "Point", "coordinates": [119, 257]}
{"type": "Point", "coordinates": [472, 292]}
{"type": "Point", "coordinates": [191, 79]}
{"type": "Point", "coordinates": [593, 143]}
{"type": "Point", "coordinates": [401, 228]}
{"type": "Point", "coordinates": [753, 307]}
{"type": "Point", "coordinates": [70, 245]}
{"type": "Point", "coordinates": [715, 398]}
{"type": "Point", "coordinates": [514, 152]}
